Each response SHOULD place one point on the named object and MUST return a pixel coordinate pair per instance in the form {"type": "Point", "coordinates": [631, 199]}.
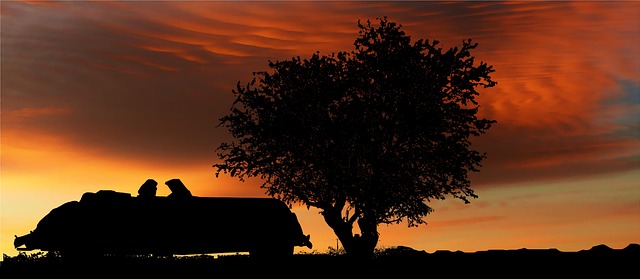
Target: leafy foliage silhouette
{"type": "Point", "coordinates": [368, 136]}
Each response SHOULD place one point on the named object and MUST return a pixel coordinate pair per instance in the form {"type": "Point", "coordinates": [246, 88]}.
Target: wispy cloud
{"type": "Point", "coordinates": [140, 77]}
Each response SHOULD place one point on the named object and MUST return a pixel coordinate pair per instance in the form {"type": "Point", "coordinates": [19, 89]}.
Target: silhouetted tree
{"type": "Point", "coordinates": [369, 137]}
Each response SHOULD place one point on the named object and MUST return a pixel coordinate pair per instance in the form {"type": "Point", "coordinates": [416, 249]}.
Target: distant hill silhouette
{"type": "Point", "coordinates": [396, 262]}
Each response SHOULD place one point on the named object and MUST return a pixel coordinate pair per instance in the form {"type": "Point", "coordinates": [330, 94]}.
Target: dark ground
{"type": "Point", "coordinates": [401, 262]}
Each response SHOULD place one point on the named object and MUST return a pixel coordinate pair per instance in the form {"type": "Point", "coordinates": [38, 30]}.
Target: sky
{"type": "Point", "coordinates": [107, 94]}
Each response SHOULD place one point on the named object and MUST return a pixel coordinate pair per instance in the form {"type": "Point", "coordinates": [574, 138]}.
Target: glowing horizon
{"type": "Point", "coordinates": [103, 95]}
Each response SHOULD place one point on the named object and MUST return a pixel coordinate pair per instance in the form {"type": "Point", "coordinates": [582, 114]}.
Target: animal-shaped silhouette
{"type": "Point", "coordinates": [110, 222]}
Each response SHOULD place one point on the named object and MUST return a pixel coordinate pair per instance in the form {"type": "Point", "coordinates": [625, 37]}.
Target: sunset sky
{"type": "Point", "coordinates": [104, 95]}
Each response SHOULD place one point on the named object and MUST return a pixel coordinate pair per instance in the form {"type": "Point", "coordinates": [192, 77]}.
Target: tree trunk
{"type": "Point", "coordinates": [358, 246]}
{"type": "Point", "coordinates": [365, 244]}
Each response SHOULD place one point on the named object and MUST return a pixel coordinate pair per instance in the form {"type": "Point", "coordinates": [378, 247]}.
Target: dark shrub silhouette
{"type": "Point", "coordinates": [393, 262]}
{"type": "Point", "coordinates": [114, 223]}
{"type": "Point", "coordinates": [369, 137]}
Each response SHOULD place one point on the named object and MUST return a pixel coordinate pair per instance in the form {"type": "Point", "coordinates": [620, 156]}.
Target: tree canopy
{"type": "Point", "coordinates": [369, 136]}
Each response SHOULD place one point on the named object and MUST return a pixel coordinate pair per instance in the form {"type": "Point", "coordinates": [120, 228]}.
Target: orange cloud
{"type": "Point", "coordinates": [178, 52]}
{"type": "Point", "coordinates": [30, 112]}
{"type": "Point", "coordinates": [40, 3]}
